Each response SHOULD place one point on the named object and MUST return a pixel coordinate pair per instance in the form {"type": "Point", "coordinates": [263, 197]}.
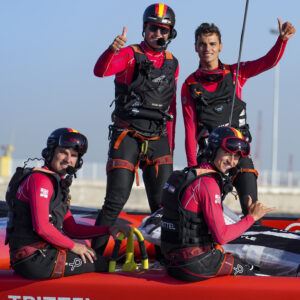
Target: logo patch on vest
{"type": "Point", "coordinates": [159, 79]}
{"type": "Point", "coordinates": [169, 187]}
{"type": "Point", "coordinates": [219, 108]}
{"type": "Point", "coordinates": [44, 193]}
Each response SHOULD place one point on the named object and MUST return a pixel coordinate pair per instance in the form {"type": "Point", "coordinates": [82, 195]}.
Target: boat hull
{"type": "Point", "coordinates": [149, 284]}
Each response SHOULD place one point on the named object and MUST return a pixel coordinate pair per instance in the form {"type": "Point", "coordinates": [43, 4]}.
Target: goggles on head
{"type": "Point", "coordinates": [233, 144]}
{"type": "Point", "coordinates": [163, 29]}
{"type": "Point", "coordinates": [74, 140]}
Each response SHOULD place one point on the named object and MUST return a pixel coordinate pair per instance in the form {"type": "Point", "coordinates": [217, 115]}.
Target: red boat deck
{"type": "Point", "coordinates": [153, 284]}
{"type": "Point", "coordinates": [150, 285]}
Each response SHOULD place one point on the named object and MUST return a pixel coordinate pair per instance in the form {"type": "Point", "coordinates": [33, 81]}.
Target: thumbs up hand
{"type": "Point", "coordinates": [286, 30]}
{"type": "Point", "coordinates": [119, 41]}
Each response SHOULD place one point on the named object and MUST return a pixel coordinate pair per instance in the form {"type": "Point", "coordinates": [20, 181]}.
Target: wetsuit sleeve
{"type": "Point", "coordinates": [252, 68]}
{"type": "Point", "coordinates": [172, 125]}
{"type": "Point", "coordinates": [82, 231]}
{"type": "Point", "coordinates": [190, 124]}
{"type": "Point", "coordinates": [114, 62]}
{"type": "Point", "coordinates": [210, 202]}
{"type": "Point", "coordinates": [39, 190]}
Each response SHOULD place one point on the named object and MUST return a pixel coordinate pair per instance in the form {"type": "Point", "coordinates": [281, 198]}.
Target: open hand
{"type": "Point", "coordinates": [84, 252]}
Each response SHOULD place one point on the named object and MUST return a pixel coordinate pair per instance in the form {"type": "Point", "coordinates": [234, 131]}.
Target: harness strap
{"type": "Point", "coordinates": [43, 170]}
{"type": "Point", "coordinates": [242, 170]}
{"type": "Point", "coordinates": [136, 135]}
{"type": "Point", "coordinates": [121, 137]}
{"type": "Point", "coordinates": [117, 163]}
{"type": "Point", "coordinates": [59, 268]}
{"type": "Point", "coordinates": [26, 251]}
{"type": "Point", "coordinates": [250, 171]}
{"type": "Point", "coordinates": [227, 265]}
{"type": "Point", "coordinates": [143, 138]}
{"type": "Point", "coordinates": [137, 49]}
{"type": "Point", "coordinates": [220, 248]}
{"type": "Point", "coordinates": [180, 255]}
{"type": "Point", "coordinates": [163, 160]}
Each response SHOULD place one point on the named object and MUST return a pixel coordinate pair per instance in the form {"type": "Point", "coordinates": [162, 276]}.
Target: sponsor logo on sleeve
{"type": "Point", "coordinates": [44, 193]}
{"type": "Point", "coordinates": [217, 199]}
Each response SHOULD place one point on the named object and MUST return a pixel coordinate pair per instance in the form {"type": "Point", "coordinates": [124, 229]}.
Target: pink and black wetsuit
{"type": "Point", "coordinates": [42, 220]}
{"type": "Point", "coordinates": [247, 70]}
{"type": "Point", "coordinates": [141, 134]}
{"type": "Point", "coordinates": [122, 65]}
{"type": "Point", "coordinates": [203, 196]}
{"type": "Point", "coordinates": [37, 190]}
{"type": "Point", "coordinates": [191, 238]}
{"type": "Point", "coordinates": [200, 119]}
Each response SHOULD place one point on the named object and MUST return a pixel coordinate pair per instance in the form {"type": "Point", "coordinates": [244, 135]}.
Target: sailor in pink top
{"type": "Point", "coordinates": [207, 99]}
{"type": "Point", "coordinates": [193, 226]}
{"type": "Point", "coordinates": [41, 228]}
{"type": "Point", "coordinates": [142, 132]}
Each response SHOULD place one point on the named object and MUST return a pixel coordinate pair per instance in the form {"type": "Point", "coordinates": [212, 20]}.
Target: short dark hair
{"type": "Point", "coordinates": [206, 28]}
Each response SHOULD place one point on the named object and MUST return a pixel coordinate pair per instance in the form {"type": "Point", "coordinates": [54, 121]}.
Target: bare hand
{"type": "Point", "coordinates": [286, 30]}
{"type": "Point", "coordinates": [119, 41]}
{"type": "Point", "coordinates": [257, 210]}
{"type": "Point", "coordinates": [115, 229]}
{"type": "Point", "coordinates": [84, 252]}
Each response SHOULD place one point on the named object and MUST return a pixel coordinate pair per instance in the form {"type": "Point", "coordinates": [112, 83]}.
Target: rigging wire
{"type": "Point", "coordinates": [239, 60]}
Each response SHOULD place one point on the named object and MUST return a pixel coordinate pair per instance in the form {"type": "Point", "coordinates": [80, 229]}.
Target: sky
{"type": "Point", "coordinates": [49, 49]}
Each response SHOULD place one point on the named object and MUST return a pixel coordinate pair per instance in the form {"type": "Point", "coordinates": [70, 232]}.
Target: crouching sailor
{"type": "Point", "coordinates": [41, 226]}
{"type": "Point", "coordinates": [193, 225]}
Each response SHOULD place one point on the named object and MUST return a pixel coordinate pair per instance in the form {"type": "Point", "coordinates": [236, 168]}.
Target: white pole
{"type": "Point", "coordinates": [275, 120]}
{"type": "Point", "coordinates": [275, 127]}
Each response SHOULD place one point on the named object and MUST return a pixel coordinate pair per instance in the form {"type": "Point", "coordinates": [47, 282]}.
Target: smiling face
{"type": "Point", "coordinates": [153, 32]}
{"type": "Point", "coordinates": [225, 160]}
{"type": "Point", "coordinates": [208, 47]}
{"type": "Point", "coordinates": [63, 158]}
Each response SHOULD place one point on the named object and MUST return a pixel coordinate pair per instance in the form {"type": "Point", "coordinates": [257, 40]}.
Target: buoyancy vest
{"type": "Point", "coordinates": [213, 109]}
{"type": "Point", "coordinates": [144, 103]}
{"type": "Point", "coordinates": [181, 228]}
{"type": "Point", "coordinates": [19, 231]}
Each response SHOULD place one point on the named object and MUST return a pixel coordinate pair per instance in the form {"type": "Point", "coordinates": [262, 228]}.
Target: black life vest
{"type": "Point", "coordinates": [144, 103]}
{"type": "Point", "coordinates": [19, 230]}
{"type": "Point", "coordinates": [182, 228]}
{"type": "Point", "coordinates": [213, 109]}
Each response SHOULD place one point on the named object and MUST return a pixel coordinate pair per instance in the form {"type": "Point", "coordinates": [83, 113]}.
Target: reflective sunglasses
{"type": "Point", "coordinates": [154, 28]}
{"type": "Point", "coordinates": [233, 144]}
{"type": "Point", "coordinates": [74, 140]}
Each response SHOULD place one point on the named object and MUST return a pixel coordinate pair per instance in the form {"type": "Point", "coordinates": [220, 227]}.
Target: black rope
{"type": "Point", "coordinates": [239, 60]}
{"type": "Point", "coordinates": [31, 159]}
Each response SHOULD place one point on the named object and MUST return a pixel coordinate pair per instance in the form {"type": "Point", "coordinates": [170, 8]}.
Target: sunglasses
{"type": "Point", "coordinates": [233, 144]}
{"type": "Point", "coordinates": [74, 140]}
{"type": "Point", "coordinates": [154, 28]}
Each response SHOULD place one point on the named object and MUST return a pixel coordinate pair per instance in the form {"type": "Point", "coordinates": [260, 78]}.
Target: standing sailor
{"type": "Point", "coordinates": [207, 99]}
{"type": "Point", "coordinates": [143, 130]}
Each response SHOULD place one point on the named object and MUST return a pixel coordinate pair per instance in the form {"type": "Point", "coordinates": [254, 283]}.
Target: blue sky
{"type": "Point", "coordinates": [49, 48]}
